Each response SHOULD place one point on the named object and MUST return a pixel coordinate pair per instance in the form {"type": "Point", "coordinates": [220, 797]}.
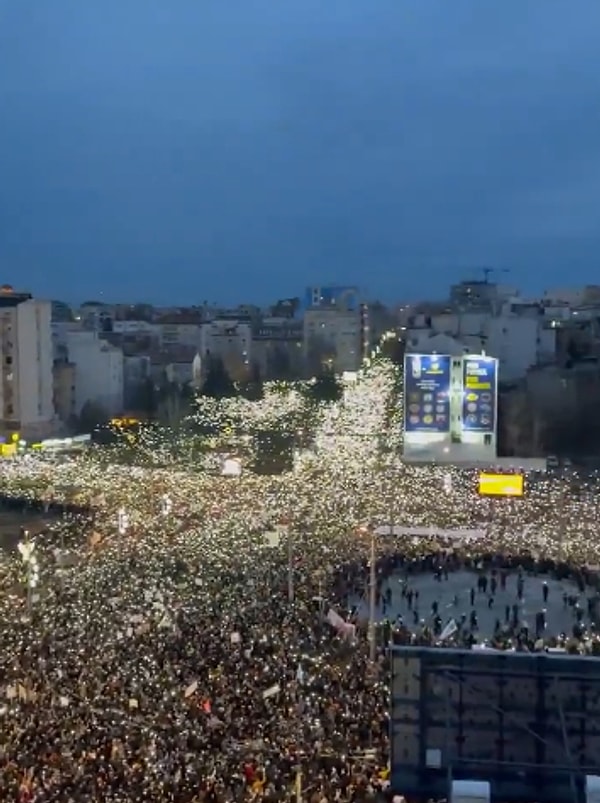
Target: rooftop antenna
{"type": "Point", "coordinates": [487, 272]}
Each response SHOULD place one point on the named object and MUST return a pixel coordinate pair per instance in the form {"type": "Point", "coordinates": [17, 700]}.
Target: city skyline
{"type": "Point", "coordinates": [151, 154]}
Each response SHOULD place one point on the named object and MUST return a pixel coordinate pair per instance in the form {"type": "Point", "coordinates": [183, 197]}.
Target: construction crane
{"type": "Point", "coordinates": [488, 271]}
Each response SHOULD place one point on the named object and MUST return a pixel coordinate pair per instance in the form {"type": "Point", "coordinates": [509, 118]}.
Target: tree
{"type": "Point", "coordinates": [217, 383]}
{"type": "Point", "coordinates": [274, 452]}
{"type": "Point", "coordinates": [236, 367]}
{"type": "Point", "coordinates": [279, 363]}
{"type": "Point", "coordinates": [144, 398]}
{"type": "Point", "coordinates": [574, 436]}
{"type": "Point", "coordinates": [393, 348]}
{"type": "Point", "coordinates": [92, 415]}
{"type": "Point", "coordinates": [253, 389]}
{"type": "Point", "coordinates": [173, 403]}
{"type": "Point", "coordinates": [325, 388]}
{"type": "Point", "coordinates": [320, 355]}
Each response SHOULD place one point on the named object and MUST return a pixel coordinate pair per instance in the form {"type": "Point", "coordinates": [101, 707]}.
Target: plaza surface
{"type": "Point", "coordinates": [453, 596]}
{"type": "Point", "coordinates": [12, 524]}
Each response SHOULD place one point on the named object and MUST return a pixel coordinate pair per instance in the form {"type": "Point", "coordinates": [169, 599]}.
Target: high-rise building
{"type": "Point", "coordinates": [335, 329]}
{"type": "Point", "coordinates": [26, 382]}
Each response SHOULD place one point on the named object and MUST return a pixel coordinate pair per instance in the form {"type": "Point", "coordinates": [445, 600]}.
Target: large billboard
{"type": "Point", "coordinates": [479, 394]}
{"type": "Point", "coordinates": [427, 393]}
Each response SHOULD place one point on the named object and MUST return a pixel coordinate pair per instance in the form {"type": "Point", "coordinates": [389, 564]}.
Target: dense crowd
{"type": "Point", "coordinates": [200, 650]}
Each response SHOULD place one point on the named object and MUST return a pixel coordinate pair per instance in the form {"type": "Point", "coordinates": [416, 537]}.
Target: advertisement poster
{"type": "Point", "coordinates": [479, 401]}
{"type": "Point", "coordinates": [426, 393]}
{"type": "Point", "coordinates": [501, 484]}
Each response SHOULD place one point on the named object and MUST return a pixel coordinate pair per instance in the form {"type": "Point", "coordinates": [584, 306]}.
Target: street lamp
{"type": "Point", "coordinates": [122, 521]}
{"type": "Point", "coordinates": [284, 527]}
{"type": "Point", "coordinates": [32, 569]}
{"type": "Point", "coordinates": [166, 505]}
{"type": "Point", "coordinates": [371, 633]}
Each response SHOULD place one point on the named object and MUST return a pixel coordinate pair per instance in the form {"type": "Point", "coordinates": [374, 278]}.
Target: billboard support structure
{"type": "Point", "coordinates": [525, 722]}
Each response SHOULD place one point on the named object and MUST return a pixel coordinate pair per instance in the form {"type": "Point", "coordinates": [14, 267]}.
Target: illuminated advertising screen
{"type": "Point", "coordinates": [479, 399]}
{"type": "Point", "coordinates": [501, 484]}
{"type": "Point", "coordinates": [426, 393]}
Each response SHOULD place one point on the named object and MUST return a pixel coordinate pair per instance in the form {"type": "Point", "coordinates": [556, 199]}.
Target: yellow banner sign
{"type": "Point", "coordinates": [501, 484]}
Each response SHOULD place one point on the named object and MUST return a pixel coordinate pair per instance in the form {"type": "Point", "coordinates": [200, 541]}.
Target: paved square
{"type": "Point", "coordinates": [453, 596]}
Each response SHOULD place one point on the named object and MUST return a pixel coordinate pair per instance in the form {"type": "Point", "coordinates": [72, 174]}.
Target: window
{"type": "Point", "coordinates": [8, 360]}
{"type": "Point", "coordinates": [10, 409]}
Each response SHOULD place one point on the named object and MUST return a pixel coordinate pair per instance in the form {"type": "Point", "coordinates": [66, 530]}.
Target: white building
{"type": "Point", "coordinates": [98, 372]}
{"type": "Point", "coordinates": [134, 328]}
{"type": "Point", "coordinates": [480, 293]}
{"type": "Point", "coordinates": [336, 334]}
{"type": "Point", "coordinates": [60, 332]}
{"type": "Point", "coordinates": [179, 329]}
{"type": "Point", "coordinates": [571, 296]}
{"type": "Point", "coordinates": [26, 387]}
{"type": "Point", "coordinates": [229, 340]}
{"type": "Point", "coordinates": [136, 371]}
{"type": "Point", "coordinates": [519, 337]}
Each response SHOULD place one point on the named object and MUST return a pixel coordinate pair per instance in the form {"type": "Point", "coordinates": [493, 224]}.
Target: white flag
{"type": "Point", "coordinates": [191, 689]}
{"type": "Point", "coordinates": [272, 539]}
{"type": "Point", "coordinates": [335, 620]}
{"type": "Point", "coordinates": [449, 630]}
{"type": "Point", "coordinates": [271, 691]}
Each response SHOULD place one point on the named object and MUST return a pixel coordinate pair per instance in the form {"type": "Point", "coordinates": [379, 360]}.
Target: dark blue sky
{"type": "Point", "coordinates": [241, 149]}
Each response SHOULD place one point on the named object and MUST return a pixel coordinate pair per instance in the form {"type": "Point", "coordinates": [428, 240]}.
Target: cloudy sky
{"type": "Point", "coordinates": [242, 149]}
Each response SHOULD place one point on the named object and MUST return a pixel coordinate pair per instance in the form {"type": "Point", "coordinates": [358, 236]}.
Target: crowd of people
{"type": "Point", "coordinates": [198, 650]}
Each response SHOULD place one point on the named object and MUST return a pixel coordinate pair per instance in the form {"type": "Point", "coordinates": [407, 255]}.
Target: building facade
{"type": "Point", "coordinates": [520, 336]}
{"type": "Point", "coordinates": [277, 348]}
{"type": "Point", "coordinates": [229, 340]}
{"type": "Point", "coordinates": [333, 338]}
{"type": "Point", "coordinates": [179, 329]}
{"type": "Point", "coordinates": [98, 372]}
{"type": "Point", "coordinates": [64, 391]}
{"type": "Point", "coordinates": [26, 386]}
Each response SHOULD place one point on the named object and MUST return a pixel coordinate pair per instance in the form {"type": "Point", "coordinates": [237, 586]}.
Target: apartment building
{"type": "Point", "coordinates": [98, 372]}
{"type": "Point", "coordinates": [26, 384]}
{"type": "Point", "coordinates": [230, 340]}
{"type": "Point", "coordinates": [333, 338]}
{"type": "Point", "coordinates": [518, 335]}
{"type": "Point", "coordinates": [277, 348]}
{"type": "Point", "coordinates": [179, 329]}
{"type": "Point", "coordinates": [64, 391]}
